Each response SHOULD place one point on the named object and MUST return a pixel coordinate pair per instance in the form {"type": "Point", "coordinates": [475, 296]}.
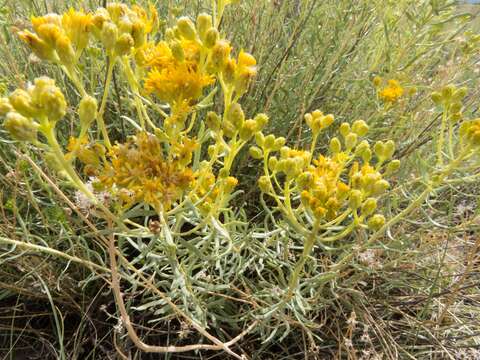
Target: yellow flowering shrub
{"type": "Point", "coordinates": [176, 163]}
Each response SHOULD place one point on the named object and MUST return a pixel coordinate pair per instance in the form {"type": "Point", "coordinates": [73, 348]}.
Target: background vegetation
{"type": "Point", "coordinates": [311, 54]}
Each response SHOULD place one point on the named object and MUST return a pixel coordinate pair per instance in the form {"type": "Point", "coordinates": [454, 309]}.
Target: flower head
{"type": "Point", "coordinates": [392, 92]}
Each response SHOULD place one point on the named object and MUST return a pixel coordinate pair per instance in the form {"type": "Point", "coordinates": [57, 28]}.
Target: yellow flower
{"type": "Point", "coordinates": [138, 168]}
{"type": "Point", "coordinates": [77, 25]}
{"type": "Point", "coordinates": [175, 83]}
{"type": "Point", "coordinates": [392, 92]}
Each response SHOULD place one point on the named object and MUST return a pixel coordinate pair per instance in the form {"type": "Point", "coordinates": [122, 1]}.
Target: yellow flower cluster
{"type": "Point", "coordinates": [212, 192]}
{"type": "Point", "coordinates": [189, 59]}
{"type": "Point", "coordinates": [62, 38]}
{"type": "Point", "coordinates": [137, 171]}
{"type": "Point", "coordinates": [59, 38]}
{"type": "Point", "coordinates": [42, 101]}
{"type": "Point", "coordinates": [390, 93]}
{"type": "Point", "coordinates": [449, 98]}
{"type": "Point", "coordinates": [331, 188]}
{"type": "Point", "coordinates": [176, 77]}
{"type": "Point", "coordinates": [470, 132]}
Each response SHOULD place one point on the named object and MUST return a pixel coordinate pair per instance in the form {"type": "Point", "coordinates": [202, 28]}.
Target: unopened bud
{"type": "Point", "coordinates": [255, 152]}
{"type": "Point", "coordinates": [124, 45]}
{"type": "Point", "coordinates": [369, 206]}
{"type": "Point", "coordinates": [186, 28]}
{"type": "Point", "coordinates": [236, 115]}
{"type": "Point", "coordinates": [360, 127]}
{"type": "Point", "coordinates": [335, 145]}
{"type": "Point", "coordinates": [19, 127]}
{"type": "Point", "coordinates": [355, 200]}
{"type": "Point", "coordinates": [351, 141]}
{"type": "Point", "coordinates": [177, 51]}
{"type": "Point", "coordinates": [204, 23]}
{"type": "Point", "coordinates": [213, 121]}
{"type": "Point", "coordinates": [376, 222]}
{"type": "Point", "coordinates": [65, 51]}
{"type": "Point", "coordinates": [87, 110]}
{"type": "Point", "coordinates": [211, 38]}
{"type": "Point", "coordinates": [109, 36]}
{"type": "Point", "coordinates": [22, 103]}
{"type": "Point", "coordinates": [344, 129]}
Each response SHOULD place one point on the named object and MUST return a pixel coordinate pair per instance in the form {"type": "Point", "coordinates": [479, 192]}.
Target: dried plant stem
{"type": "Point", "coordinates": [131, 331]}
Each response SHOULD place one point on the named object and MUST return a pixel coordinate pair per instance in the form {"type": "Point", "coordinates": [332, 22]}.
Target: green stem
{"type": "Point", "coordinates": [441, 138]}
{"type": "Point", "coordinates": [101, 112]}
{"type": "Point", "coordinates": [299, 267]}
{"type": "Point", "coordinates": [48, 131]}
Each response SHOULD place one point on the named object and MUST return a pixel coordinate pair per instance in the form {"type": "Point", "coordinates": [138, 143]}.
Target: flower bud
{"type": "Point", "coordinates": [360, 127]}
{"type": "Point", "coordinates": [264, 184]}
{"type": "Point", "coordinates": [369, 206]}
{"type": "Point", "coordinates": [259, 138]}
{"type": "Point", "coordinates": [204, 23]}
{"type": "Point", "coordinates": [223, 173]}
{"type": "Point", "coordinates": [65, 51]}
{"type": "Point", "coordinates": [344, 129]}
{"type": "Point", "coordinates": [211, 38]}
{"type": "Point", "coordinates": [49, 98]}
{"type": "Point", "coordinates": [177, 51]}
{"type": "Point", "coordinates": [235, 115]}
{"type": "Point", "coordinates": [220, 54]}
{"type": "Point", "coordinates": [272, 163]}
{"type": "Point", "coordinates": [279, 143]}
{"type": "Point", "coordinates": [170, 35]}
{"type": "Point", "coordinates": [377, 81]}
{"type": "Point", "coordinates": [19, 127]}
{"type": "Point", "coordinates": [327, 120]}
{"type": "Point", "coordinates": [335, 145]}
{"type": "Point", "coordinates": [456, 117]}
{"type": "Point", "coordinates": [230, 183]}
{"type": "Point", "coordinates": [389, 149]}
{"type": "Point", "coordinates": [211, 150]}
{"type": "Point", "coordinates": [228, 128]}
{"type": "Point", "coordinates": [22, 103]}
{"type": "Point", "coordinates": [392, 167]}
{"type": "Point", "coordinates": [261, 120]}
{"type": "Point", "coordinates": [367, 155]}
{"type": "Point", "coordinates": [186, 28]}
{"type": "Point", "coordinates": [229, 71]}
{"type": "Point", "coordinates": [39, 47]}
{"type": "Point", "coordinates": [269, 142]}
{"type": "Point", "coordinates": [5, 106]}
{"type": "Point", "coordinates": [138, 34]}
{"type": "Point", "coordinates": [87, 111]}
{"type": "Point", "coordinates": [379, 149]}
{"type": "Point", "coordinates": [380, 186]}
{"type": "Point", "coordinates": [355, 200]}
{"type": "Point", "coordinates": [376, 222]}
{"type": "Point", "coordinates": [124, 45]}
{"type": "Point", "coordinates": [109, 36]}
{"type": "Point", "coordinates": [351, 141]}
{"type": "Point", "coordinates": [213, 121]}
{"type": "Point", "coordinates": [447, 92]}
{"type": "Point", "coordinates": [255, 152]}
{"type": "Point", "coordinates": [247, 130]}
{"type": "Point", "coordinates": [304, 179]}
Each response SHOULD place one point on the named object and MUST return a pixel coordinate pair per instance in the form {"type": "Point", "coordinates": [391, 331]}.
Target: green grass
{"type": "Point", "coordinates": [55, 298]}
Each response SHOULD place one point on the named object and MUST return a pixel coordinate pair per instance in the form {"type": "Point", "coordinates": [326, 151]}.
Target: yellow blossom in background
{"type": "Point", "coordinates": [392, 92]}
